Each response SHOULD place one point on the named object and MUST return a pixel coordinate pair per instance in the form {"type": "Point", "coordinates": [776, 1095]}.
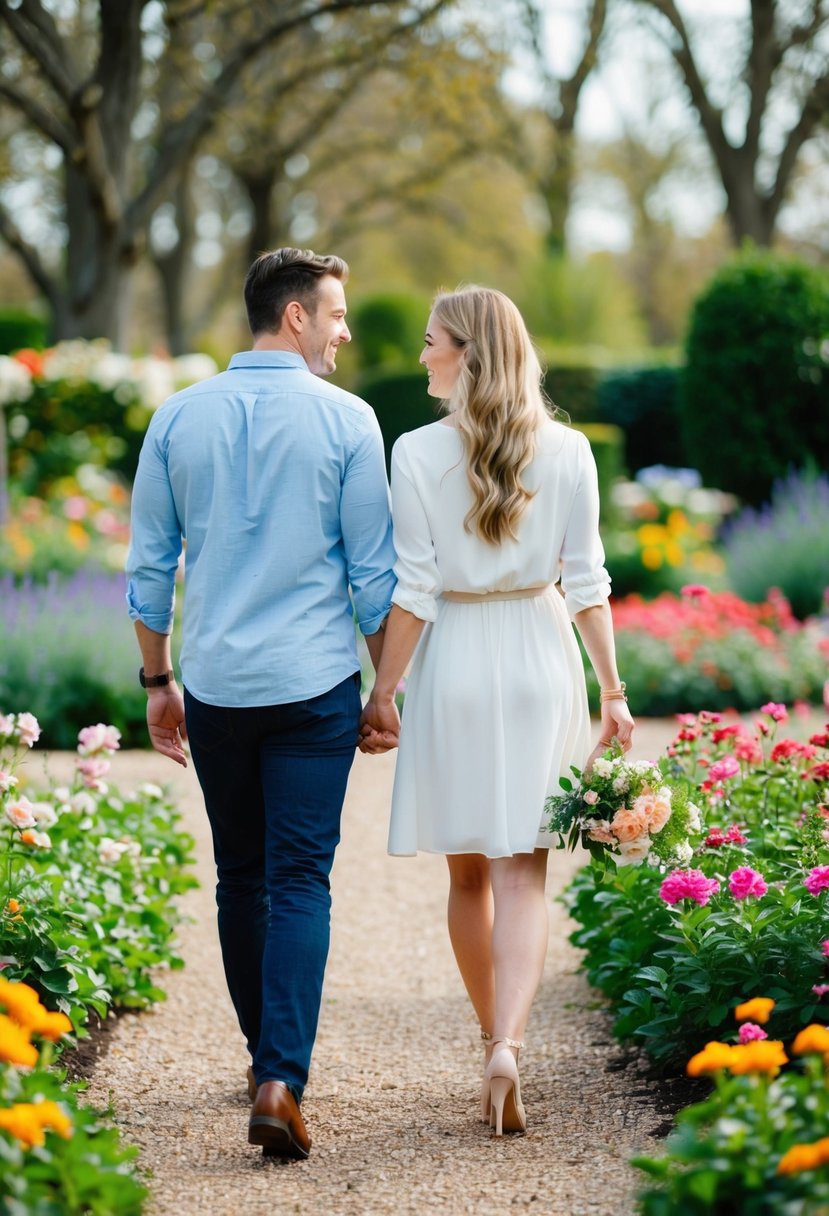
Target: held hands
{"type": "Point", "coordinates": [165, 722]}
{"type": "Point", "coordinates": [379, 727]}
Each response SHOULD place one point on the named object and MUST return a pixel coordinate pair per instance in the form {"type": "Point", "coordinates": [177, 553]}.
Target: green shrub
{"type": "Point", "coordinates": [607, 443]}
{"type": "Point", "coordinates": [644, 402]}
{"type": "Point", "coordinates": [389, 329]}
{"type": "Point", "coordinates": [67, 423]}
{"type": "Point", "coordinates": [754, 389]}
{"type": "Point", "coordinates": [785, 545]}
{"type": "Point", "coordinates": [20, 330]}
{"type": "Point", "coordinates": [574, 389]}
{"type": "Point", "coordinates": [400, 401]}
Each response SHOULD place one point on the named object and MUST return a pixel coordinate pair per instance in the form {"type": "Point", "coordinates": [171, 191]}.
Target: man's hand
{"type": "Point", "coordinates": [379, 727]}
{"type": "Point", "coordinates": [165, 722]}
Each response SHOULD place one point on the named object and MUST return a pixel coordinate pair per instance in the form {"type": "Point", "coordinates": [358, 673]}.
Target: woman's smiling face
{"type": "Point", "coordinates": [442, 358]}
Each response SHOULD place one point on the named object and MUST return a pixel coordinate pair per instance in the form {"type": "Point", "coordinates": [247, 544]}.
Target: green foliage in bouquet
{"type": "Point", "coordinates": [674, 952]}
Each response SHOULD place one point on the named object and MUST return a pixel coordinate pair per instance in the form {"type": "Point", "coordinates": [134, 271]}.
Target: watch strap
{"type": "Point", "coordinates": [156, 681]}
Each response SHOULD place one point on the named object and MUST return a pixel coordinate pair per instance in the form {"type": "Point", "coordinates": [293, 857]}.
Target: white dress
{"type": "Point", "coordinates": [496, 703]}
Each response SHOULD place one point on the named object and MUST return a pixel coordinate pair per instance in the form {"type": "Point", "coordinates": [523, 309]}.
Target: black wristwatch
{"type": "Point", "coordinates": [156, 681]}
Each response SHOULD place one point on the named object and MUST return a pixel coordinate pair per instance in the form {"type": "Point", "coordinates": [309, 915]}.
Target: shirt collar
{"type": "Point", "coordinates": [267, 358]}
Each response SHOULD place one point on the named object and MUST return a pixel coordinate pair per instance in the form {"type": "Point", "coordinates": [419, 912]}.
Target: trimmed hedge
{"type": "Point", "coordinates": [644, 402]}
{"type": "Point", "coordinates": [754, 391]}
{"type": "Point", "coordinates": [20, 330]}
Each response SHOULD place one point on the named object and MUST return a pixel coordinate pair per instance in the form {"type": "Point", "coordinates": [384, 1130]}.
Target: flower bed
{"type": "Point", "coordinates": [87, 916]}
{"type": "Point", "coordinates": [675, 952]}
{"type": "Point", "coordinates": [714, 649]}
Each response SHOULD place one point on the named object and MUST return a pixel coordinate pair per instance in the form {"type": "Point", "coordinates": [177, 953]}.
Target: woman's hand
{"type": "Point", "coordinates": [379, 727]}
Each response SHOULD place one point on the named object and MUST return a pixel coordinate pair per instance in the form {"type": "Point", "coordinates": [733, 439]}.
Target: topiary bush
{"type": "Point", "coordinates": [644, 402]}
{"type": "Point", "coordinates": [754, 390]}
{"type": "Point", "coordinates": [389, 329]}
{"type": "Point", "coordinates": [400, 401]}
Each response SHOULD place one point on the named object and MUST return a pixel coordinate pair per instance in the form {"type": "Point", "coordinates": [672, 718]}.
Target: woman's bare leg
{"type": "Point", "coordinates": [470, 915]}
{"type": "Point", "coordinates": [519, 937]}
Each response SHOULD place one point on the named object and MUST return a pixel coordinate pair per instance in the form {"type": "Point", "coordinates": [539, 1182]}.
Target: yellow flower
{"type": "Point", "coordinates": [651, 535]}
{"type": "Point", "coordinates": [762, 1055]}
{"type": "Point", "coordinates": [21, 1121]}
{"type": "Point", "coordinates": [54, 1025]}
{"type": "Point", "coordinates": [53, 1116]}
{"type": "Point", "coordinates": [27, 1121]}
{"type": "Point", "coordinates": [677, 522]}
{"type": "Point", "coordinates": [674, 555]}
{"type": "Point", "coordinates": [21, 1003]}
{"type": "Point", "coordinates": [757, 1010]}
{"type": "Point", "coordinates": [15, 1044]}
{"type": "Point", "coordinates": [712, 1058]}
{"type": "Point", "coordinates": [651, 558]}
{"type": "Point", "coordinates": [813, 1039]}
{"type": "Point", "coordinates": [77, 535]}
{"type": "Point", "coordinates": [13, 907]}
{"type": "Point", "coordinates": [802, 1157]}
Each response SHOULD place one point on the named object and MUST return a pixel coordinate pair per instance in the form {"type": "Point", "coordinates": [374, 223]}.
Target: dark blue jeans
{"type": "Point", "coordinates": [273, 779]}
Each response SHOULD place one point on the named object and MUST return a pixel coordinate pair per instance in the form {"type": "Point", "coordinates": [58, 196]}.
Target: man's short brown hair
{"type": "Point", "coordinates": [283, 275]}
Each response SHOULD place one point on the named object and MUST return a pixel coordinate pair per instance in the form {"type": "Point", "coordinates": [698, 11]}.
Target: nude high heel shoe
{"type": "Point", "coordinates": [506, 1108]}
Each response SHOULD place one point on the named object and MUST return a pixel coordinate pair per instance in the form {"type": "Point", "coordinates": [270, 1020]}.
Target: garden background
{"type": "Point", "coordinates": [667, 245]}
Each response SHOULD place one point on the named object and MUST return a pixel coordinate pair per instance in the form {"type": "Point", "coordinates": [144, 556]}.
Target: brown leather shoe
{"type": "Point", "coordinates": [276, 1123]}
{"type": "Point", "coordinates": [251, 1085]}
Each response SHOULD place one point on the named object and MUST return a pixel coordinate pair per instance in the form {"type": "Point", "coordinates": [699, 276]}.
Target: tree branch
{"type": "Point", "coordinates": [35, 30]}
{"type": "Point", "coordinates": [814, 109]}
{"type": "Point", "coordinates": [39, 117]}
{"type": "Point", "coordinates": [763, 57]}
{"type": "Point", "coordinates": [29, 257]}
{"type": "Point", "coordinates": [182, 137]}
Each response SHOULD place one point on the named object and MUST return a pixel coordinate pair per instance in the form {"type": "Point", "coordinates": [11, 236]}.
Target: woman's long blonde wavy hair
{"type": "Point", "coordinates": [497, 404]}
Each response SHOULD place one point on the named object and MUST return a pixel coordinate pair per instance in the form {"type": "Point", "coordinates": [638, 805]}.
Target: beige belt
{"type": "Point", "coordinates": [484, 597]}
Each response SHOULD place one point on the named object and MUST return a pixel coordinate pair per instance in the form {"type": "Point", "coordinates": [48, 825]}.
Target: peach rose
{"type": "Point", "coordinates": [629, 824]}
{"type": "Point", "coordinates": [656, 809]}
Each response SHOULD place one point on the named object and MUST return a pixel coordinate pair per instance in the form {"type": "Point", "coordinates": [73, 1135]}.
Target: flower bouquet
{"type": "Point", "coordinates": [626, 810]}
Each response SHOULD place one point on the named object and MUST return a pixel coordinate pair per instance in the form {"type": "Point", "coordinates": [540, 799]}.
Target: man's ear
{"type": "Point", "coordinates": [294, 316]}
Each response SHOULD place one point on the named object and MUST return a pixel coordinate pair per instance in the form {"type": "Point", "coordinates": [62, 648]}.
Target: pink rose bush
{"type": "Point", "coordinates": [626, 811]}
{"type": "Point", "coordinates": [746, 883]}
{"type": "Point", "coordinates": [688, 884]}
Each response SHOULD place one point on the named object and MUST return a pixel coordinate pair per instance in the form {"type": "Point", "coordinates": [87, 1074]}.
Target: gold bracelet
{"type": "Point", "coordinates": [605, 743]}
{"type": "Point", "coordinates": [613, 694]}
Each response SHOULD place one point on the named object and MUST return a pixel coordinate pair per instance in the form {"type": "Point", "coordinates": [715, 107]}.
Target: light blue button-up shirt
{"type": "Point", "coordinates": [276, 482]}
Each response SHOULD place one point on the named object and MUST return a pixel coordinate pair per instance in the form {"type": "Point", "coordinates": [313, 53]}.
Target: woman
{"type": "Point", "coordinates": [492, 506]}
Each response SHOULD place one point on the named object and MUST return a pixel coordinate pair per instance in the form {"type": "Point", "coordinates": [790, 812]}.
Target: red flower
{"type": "Point", "coordinates": [32, 359]}
{"type": "Point", "coordinates": [818, 772]}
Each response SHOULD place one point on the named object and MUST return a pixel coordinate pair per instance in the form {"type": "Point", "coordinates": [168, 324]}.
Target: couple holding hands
{"type": "Point", "coordinates": [275, 481]}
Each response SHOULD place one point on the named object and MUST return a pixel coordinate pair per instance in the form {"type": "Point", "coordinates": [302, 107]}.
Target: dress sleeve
{"type": "Point", "coordinates": [584, 579]}
{"type": "Point", "coordinates": [418, 580]}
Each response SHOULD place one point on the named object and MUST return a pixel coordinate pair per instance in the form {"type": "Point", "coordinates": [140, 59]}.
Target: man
{"type": "Point", "coordinates": [277, 481]}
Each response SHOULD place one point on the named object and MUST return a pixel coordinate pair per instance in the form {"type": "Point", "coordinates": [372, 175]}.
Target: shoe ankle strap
{"type": "Point", "coordinates": [516, 1043]}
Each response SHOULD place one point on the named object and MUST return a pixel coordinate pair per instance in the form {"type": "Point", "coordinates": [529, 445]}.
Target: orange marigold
{"type": "Point", "coordinates": [15, 1044]}
{"type": "Point", "coordinates": [756, 1010]}
{"type": "Point", "coordinates": [761, 1055]}
{"type": "Point", "coordinates": [27, 1121]}
{"type": "Point", "coordinates": [802, 1157]}
{"type": "Point", "coordinates": [712, 1058]}
{"type": "Point", "coordinates": [21, 1003]}
{"type": "Point", "coordinates": [813, 1039]}
{"type": "Point", "coordinates": [54, 1026]}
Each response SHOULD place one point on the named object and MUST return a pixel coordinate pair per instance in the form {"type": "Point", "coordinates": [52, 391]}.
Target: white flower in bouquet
{"type": "Point", "coordinates": [634, 852]}
{"type": "Point", "coordinates": [45, 814]}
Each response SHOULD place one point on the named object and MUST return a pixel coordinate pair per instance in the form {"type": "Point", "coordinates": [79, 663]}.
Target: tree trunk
{"type": "Point", "coordinates": [259, 188]}
{"type": "Point", "coordinates": [557, 189]}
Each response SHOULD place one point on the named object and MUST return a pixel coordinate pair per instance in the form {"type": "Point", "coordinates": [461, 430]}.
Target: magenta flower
{"type": "Point", "coordinates": [817, 880]}
{"type": "Point", "coordinates": [775, 711]}
{"type": "Point", "coordinates": [695, 591]}
{"type": "Point", "coordinates": [746, 883]}
{"type": "Point", "coordinates": [688, 884]}
{"type": "Point", "coordinates": [825, 947]}
{"type": "Point", "coordinates": [750, 1032]}
{"type": "Point", "coordinates": [820, 989]}
{"type": "Point", "coordinates": [724, 768]}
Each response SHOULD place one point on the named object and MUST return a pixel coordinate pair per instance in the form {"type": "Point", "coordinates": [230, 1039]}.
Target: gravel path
{"type": "Point", "coordinates": [392, 1100]}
